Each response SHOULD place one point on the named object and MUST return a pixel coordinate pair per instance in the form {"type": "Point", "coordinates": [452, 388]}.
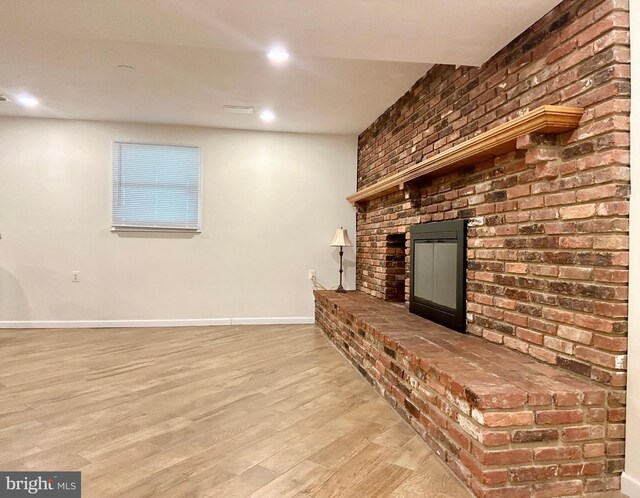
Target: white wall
{"type": "Point", "coordinates": [631, 475]}
{"type": "Point", "coordinates": [271, 203]}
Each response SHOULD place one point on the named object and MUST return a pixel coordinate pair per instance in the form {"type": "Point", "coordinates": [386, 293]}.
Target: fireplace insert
{"type": "Point", "coordinates": [438, 272]}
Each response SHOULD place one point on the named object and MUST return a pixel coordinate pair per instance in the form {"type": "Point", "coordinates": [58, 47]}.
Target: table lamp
{"type": "Point", "coordinates": [341, 239]}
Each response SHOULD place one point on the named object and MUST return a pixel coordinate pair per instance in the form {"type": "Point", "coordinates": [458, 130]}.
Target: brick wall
{"type": "Point", "coordinates": [548, 245]}
{"type": "Point", "coordinates": [548, 252]}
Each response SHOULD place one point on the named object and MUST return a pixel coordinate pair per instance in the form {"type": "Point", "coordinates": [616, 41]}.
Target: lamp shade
{"type": "Point", "coordinates": [341, 238]}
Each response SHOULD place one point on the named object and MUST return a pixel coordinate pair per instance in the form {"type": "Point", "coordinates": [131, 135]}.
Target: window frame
{"type": "Point", "coordinates": [143, 228]}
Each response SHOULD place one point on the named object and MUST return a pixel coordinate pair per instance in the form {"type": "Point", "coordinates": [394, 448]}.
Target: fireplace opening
{"type": "Point", "coordinates": [438, 273]}
{"type": "Point", "coordinates": [394, 267]}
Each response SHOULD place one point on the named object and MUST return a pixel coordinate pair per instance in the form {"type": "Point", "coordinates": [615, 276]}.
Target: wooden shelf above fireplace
{"type": "Point", "coordinates": [491, 143]}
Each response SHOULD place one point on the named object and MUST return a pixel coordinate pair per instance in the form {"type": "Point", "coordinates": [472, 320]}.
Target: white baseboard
{"type": "Point", "coordinates": [93, 324]}
{"type": "Point", "coordinates": [293, 320]}
{"type": "Point", "coordinates": [193, 322]}
{"type": "Point", "coordinates": [630, 485]}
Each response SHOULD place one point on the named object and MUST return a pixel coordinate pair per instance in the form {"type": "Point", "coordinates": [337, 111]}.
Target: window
{"type": "Point", "coordinates": [156, 187]}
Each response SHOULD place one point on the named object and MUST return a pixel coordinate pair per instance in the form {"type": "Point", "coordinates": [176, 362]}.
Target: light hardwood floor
{"type": "Point", "coordinates": [261, 411]}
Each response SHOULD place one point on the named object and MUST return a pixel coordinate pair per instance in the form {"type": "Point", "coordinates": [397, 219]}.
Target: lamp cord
{"type": "Point", "coordinates": [318, 286]}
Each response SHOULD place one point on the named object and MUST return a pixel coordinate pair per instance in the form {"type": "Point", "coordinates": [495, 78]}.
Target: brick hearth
{"type": "Point", "coordinates": [505, 423]}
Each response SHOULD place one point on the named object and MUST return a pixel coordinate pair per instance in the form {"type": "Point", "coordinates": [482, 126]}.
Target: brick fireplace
{"type": "Point", "coordinates": [547, 261]}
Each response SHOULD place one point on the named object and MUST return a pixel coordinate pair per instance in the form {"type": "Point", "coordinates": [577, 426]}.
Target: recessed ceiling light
{"type": "Point", "coordinates": [267, 115]}
{"type": "Point", "coordinates": [278, 55]}
{"type": "Point", "coordinates": [238, 109]}
{"type": "Point", "coordinates": [125, 67]}
{"type": "Point", "coordinates": [27, 101]}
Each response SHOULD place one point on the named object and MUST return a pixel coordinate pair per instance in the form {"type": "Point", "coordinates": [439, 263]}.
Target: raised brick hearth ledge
{"type": "Point", "coordinates": [505, 423]}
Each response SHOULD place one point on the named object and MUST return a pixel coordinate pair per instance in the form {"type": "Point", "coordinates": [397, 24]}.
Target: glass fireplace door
{"type": "Point", "coordinates": [435, 272]}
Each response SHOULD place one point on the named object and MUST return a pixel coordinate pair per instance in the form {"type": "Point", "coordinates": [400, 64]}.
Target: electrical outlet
{"type": "Point", "coordinates": [75, 276]}
{"type": "Point", "coordinates": [312, 274]}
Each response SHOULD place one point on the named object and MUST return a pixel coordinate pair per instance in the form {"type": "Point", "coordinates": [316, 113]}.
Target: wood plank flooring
{"type": "Point", "coordinates": [258, 411]}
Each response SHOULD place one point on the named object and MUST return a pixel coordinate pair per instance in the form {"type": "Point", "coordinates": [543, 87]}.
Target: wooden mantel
{"type": "Point", "coordinates": [491, 143]}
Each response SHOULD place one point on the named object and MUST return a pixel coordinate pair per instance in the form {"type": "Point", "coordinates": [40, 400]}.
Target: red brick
{"type": "Point", "coordinates": [580, 469]}
{"type": "Point", "coordinates": [596, 415]}
{"type": "Point", "coordinates": [577, 212]}
{"type": "Point", "coordinates": [525, 203]}
{"type": "Point", "coordinates": [558, 417]}
{"type": "Point", "coordinates": [609, 377]}
{"type": "Point", "coordinates": [615, 242]}
{"type": "Point", "coordinates": [495, 397]}
{"type": "Point", "coordinates": [554, 489]}
{"type": "Point", "coordinates": [583, 433]}
{"type": "Point", "coordinates": [593, 450]}
{"type": "Point", "coordinates": [485, 476]}
{"type": "Point", "coordinates": [558, 315]}
{"type": "Point", "coordinates": [594, 323]}
{"type": "Point", "coordinates": [459, 437]}
{"type": "Point", "coordinates": [560, 198]}
{"type": "Point", "coordinates": [615, 448]}
{"type": "Point", "coordinates": [558, 344]}
{"type": "Point", "coordinates": [574, 334]}
{"type": "Point", "coordinates": [613, 208]}
{"type": "Point", "coordinates": [524, 474]}
{"type": "Point", "coordinates": [502, 457]}
{"type": "Point", "coordinates": [529, 335]}
{"type": "Point", "coordinates": [602, 358]}
{"type": "Point", "coordinates": [517, 268]}
{"type": "Point", "coordinates": [482, 491]}
{"type": "Point", "coordinates": [554, 453]}
{"type": "Point", "coordinates": [543, 354]}
{"type": "Point", "coordinates": [492, 336]}
{"type": "Point", "coordinates": [615, 431]}
{"type": "Point", "coordinates": [599, 192]}
{"type": "Point", "coordinates": [595, 485]}
{"type": "Point", "coordinates": [515, 318]}
{"type": "Point", "coordinates": [506, 419]}
{"type": "Point", "coordinates": [545, 270]}
{"type": "Point", "coordinates": [617, 414]}
{"type": "Point", "coordinates": [610, 343]}
{"type": "Point", "coordinates": [614, 310]}
{"type": "Point", "coordinates": [516, 344]}
{"type": "Point", "coordinates": [611, 275]}
{"type": "Point", "coordinates": [534, 435]}
{"type": "Point", "coordinates": [494, 438]}
{"type": "Point", "coordinates": [566, 399]}
{"type": "Point", "coordinates": [576, 242]}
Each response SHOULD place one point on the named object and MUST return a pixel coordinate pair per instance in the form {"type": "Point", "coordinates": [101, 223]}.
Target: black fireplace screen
{"type": "Point", "coordinates": [438, 255]}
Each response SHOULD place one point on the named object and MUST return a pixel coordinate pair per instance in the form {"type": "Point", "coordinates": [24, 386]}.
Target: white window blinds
{"type": "Point", "coordinates": [156, 186]}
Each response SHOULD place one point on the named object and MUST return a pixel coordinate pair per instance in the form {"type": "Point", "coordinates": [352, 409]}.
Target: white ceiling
{"type": "Point", "coordinates": [350, 59]}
